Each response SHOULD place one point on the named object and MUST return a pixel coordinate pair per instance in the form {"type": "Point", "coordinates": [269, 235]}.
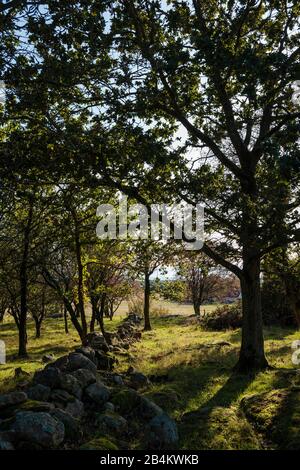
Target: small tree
{"type": "Point", "coordinates": [107, 280]}
{"type": "Point", "coordinates": [42, 301]}
{"type": "Point", "coordinates": [149, 255]}
{"type": "Point", "coordinates": [197, 270]}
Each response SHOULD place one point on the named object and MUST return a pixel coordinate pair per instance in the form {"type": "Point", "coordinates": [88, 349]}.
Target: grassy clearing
{"type": "Point", "coordinates": [53, 341]}
{"type": "Point", "coordinates": [198, 387]}
{"type": "Point", "coordinates": [170, 308]}
{"type": "Point", "coordinates": [192, 379]}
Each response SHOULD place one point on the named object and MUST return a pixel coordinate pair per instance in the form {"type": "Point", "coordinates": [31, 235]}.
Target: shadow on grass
{"type": "Point", "coordinates": [206, 390]}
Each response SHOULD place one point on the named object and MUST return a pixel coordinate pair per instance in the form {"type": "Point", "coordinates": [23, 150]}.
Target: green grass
{"type": "Point", "coordinates": [200, 390]}
{"type": "Point", "coordinates": [197, 387]}
{"type": "Point", "coordinates": [53, 340]}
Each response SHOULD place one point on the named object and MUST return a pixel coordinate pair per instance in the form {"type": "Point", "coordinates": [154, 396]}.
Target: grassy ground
{"type": "Point", "coordinates": [53, 341]}
{"type": "Point", "coordinates": [199, 388]}
{"type": "Point", "coordinates": [192, 377]}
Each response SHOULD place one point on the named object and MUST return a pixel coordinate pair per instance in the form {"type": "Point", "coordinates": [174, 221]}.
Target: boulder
{"type": "Point", "coordinates": [166, 397]}
{"type": "Point", "coordinates": [118, 380]}
{"type": "Point", "coordinates": [111, 423]}
{"type": "Point", "coordinates": [75, 408]}
{"type": "Point", "coordinates": [11, 399]}
{"type": "Point", "coordinates": [97, 341]}
{"type": "Point", "coordinates": [97, 393]}
{"type": "Point", "coordinates": [70, 384]}
{"type": "Point", "coordinates": [49, 376]}
{"type": "Point", "coordinates": [84, 376]}
{"type": "Point", "coordinates": [61, 363]}
{"type": "Point", "coordinates": [162, 433]}
{"type": "Point", "coordinates": [133, 317]}
{"type": "Point", "coordinates": [79, 361]}
{"type": "Point", "coordinates": [126, 401]}
{"type": "Point", "coordinates": [39, 428]}
{"type": "Point", "coordinates": [39, 392]}
{"type": "Point", "coordinates": [87, 352]}
{"type": "Point", "coordinates": [148, 409]}
{"type": "Point", "coordinates": [109, 407]}
{"type": "Point", "coordinates": [28, 405]}
{"type": "Point", "coordinates": [61, 396]}
{"type": "Point", "coordinates": [34, 405]}
{"type": "Point", "coordinates": [105, 362]}
{"type": "Point", "coordinates": [71, 424]}
{"type": "Point", "coordinates": [138, 380]}
{"type": "Point", "coordinates": [5, 445]}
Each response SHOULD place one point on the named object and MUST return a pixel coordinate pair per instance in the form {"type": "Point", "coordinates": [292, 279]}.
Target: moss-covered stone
{"type": "Point", "coordinates": [28, 405]}
{"type": "Point", "coordinates": [166, 398]}
{"type": "Point", "coordinates": [276, 415]}
{"type": "Point", "coordinates": [111, 422]}
{"type": "Point", "coordinates": [100, 443]}
{"type": "Point", "coordinates": [218, 428]}
{"type": "Point", "coordinates": [33, 405]}
{"type": "Point", "coordinates": [126, 401]}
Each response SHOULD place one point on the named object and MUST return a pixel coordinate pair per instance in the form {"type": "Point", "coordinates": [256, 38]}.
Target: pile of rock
{"type": "Point", "coordinates": [127, 333]}
{"type": "Point", "coordinates": [78, 399]}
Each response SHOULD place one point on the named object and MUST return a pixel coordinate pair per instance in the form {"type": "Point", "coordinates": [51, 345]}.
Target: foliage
{"type": "Point", "coordinates": [223, 318]}
{"type": "Point", "coordinates": [136, 300]}
{"type": "Point", "coordinates": [281, 287]}
{"type": "Point", "coordinates": [173, 290]}
{"type": "Point", "coordinates": [202, 283]}
{"type": "Point", "coordinates": [275, 304]}
{"type": "Point", "coordinates": [89, 104]}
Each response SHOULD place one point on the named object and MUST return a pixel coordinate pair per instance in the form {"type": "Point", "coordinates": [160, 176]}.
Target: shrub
{"type": "Point", "coordinates": [223, 318]}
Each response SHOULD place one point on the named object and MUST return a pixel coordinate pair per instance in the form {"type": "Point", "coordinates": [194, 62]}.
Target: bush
{"type": "Point", "coordinates": [223, 318]}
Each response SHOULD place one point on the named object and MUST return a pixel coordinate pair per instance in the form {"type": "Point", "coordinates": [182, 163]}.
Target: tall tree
{"type": "Point", "coordinates": [238, 112]}
{"type": "Point", "coordinates": [220, 74]}
{"type": "Point", "coordinates": [21, 234]}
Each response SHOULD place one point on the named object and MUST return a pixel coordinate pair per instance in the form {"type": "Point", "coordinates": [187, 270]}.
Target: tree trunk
{"type": "Point", "coordinates": [24, 287]}
{"type": "Point", "coordinates": [252, 354]}
{"type": "Point", "coordinates": [65, 313]}
{"type": "Point", "coordinates": [93, 319]}
{"type": "Point", "coordinates": [147, 324]}
{"type": "Point", "coordinates": [22, 339]}
{"type": "Point", "coordinates": [101, 318]}
{"type": "Point", "coordinates": [80, 285]}
{"type": "Point", "coordinates": [196, 309]}
{"type": "Point", "coordinates": [38, 325]}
